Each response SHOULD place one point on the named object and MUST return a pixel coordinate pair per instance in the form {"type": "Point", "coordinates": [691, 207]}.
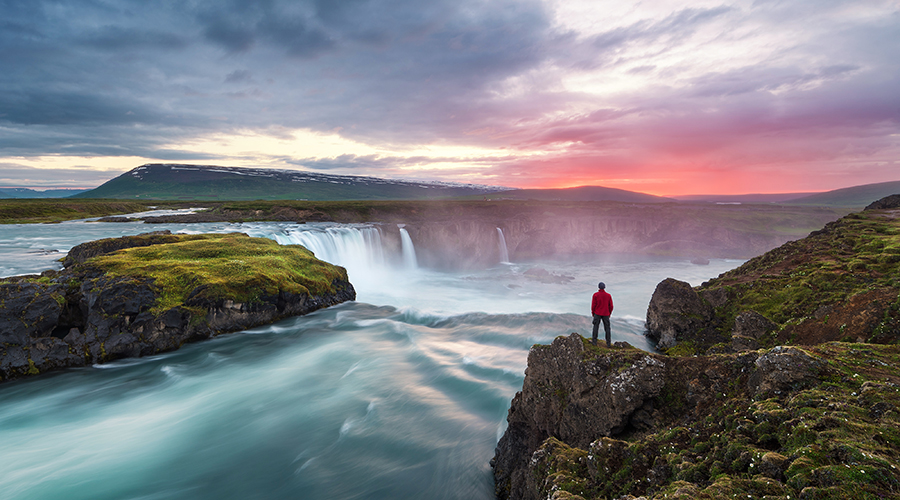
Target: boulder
{"type": "Point", "coordinates": [676, 312]}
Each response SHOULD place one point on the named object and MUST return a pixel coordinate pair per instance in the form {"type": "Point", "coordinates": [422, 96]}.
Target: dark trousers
{"type": "Point", "coordinates": [605, 320]}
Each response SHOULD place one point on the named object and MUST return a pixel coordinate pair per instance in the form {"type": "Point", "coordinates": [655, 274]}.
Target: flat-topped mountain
{"type": "Point", "coordinates": [203, 182]}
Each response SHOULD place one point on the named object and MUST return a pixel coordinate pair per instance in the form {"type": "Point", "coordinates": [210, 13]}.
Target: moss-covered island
{"type": "Point", "coordinates": [140, 295]}
{"type": "Point", "coordinates": [780, 379]}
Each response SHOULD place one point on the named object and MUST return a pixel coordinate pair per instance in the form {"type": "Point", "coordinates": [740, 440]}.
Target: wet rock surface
{"type": "Point", "coordinates": [81, 316]}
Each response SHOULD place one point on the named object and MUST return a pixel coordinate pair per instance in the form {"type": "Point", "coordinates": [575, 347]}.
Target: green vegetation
{"type": "Point", "coordinates": [27, 211]}
{"type": "Point", "coordinates": [232, 266]}
{"type": "Point", "coordinates": [834, 279]}
{"type": "Point", "coordinates": [839, 439]}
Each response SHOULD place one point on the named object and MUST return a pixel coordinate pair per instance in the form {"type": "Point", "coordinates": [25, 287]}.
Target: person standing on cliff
{"type": "Point", "coordinates": [601, 309]}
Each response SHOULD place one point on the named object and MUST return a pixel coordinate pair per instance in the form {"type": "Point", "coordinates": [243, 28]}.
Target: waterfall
{"type": "Point", "coordinates": [358, 249]}
{"type": "Point", "coordinates": [408, 250]}
{"type": "Point", "coordinates": [344, 246]}
{"type": "Point", "coordinates": [504, 252]}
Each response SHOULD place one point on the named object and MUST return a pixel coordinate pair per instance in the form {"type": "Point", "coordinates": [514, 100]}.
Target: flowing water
{"type": "Point", "coordinates": [401, 394]}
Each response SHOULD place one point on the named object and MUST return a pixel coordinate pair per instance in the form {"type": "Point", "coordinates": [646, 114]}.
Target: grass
{"type": "Point", "coordinates": [856, 255]}
{"type": "Point", "coordinates": [28, 211]}
{"type": "Point", "coordinates": [233, 266]}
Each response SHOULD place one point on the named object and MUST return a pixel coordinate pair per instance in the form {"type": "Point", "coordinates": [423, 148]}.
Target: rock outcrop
{"type": "Point", "coordinates": [838, 283]}
{"type": "Point", "coordinates": [592, 422]}
{"type": "Point", "coordinates": [85, 315]}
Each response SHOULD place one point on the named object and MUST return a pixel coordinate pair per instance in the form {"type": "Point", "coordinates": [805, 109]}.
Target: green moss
{"type": "Point", "coordinates": [837, 439]}
{"type": "Point", "coordinates": [855, 255]}
{"type": "Point", "coordinates": [686, 348]}
{"type": "Point", "coordinates": [32, 369]}
{"type": "Point", "coordinates": [232, 266]}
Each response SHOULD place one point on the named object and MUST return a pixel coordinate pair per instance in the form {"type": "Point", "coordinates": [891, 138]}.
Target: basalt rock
{"type": "Point", "coordinates": [677, 312]}
{"type": "Point", "coordinates": [83, 316]}
{"type": "Point", "coordinates": [592, 422]}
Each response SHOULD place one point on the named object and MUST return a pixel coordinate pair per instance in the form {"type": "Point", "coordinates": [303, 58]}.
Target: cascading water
{"type": "Point", "coordinates": [504, 252]}
{"type": "Point", "coordinates": [408, 250]}
{"type": "Point", "coordinates": [401, 394]}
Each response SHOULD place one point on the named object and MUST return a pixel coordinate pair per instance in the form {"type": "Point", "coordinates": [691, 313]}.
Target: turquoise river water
{"type": "Point", "coordinates": [401, 394]}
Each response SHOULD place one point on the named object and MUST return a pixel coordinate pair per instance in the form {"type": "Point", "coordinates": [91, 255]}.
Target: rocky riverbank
{"type": "Point", "coordinates": [780, 379]}
{"type": "Point", "coordinates": [141, 295]}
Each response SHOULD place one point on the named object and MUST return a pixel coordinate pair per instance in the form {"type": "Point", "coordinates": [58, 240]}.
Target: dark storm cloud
{"type": "Point", "coordinates": [380, 70]}
{"type": "Point", "coordinates": [137, 78]}
{"type": "Point", "coordinates": [115, 38]}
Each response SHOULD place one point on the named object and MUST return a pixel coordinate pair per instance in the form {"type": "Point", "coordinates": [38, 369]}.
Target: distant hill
{"type": "Point", "coordinates": [742, 198]}
{"type": "Point", "coordinates": [15, 192]}
{"type": "Point", "coordinates": [202, 182]}
{"type": "Point", "coordinates": [854, 197]}
{"type": "Point", "coordinates": [583, 193]}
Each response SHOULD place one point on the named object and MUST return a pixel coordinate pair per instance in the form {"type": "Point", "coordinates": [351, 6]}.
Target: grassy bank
{"type": "Point", "coordinates": [832, 284]}
{"type": "Point", "coordinates": [232, 266]}
{"type": "Point", "coordinates": [29, 211]}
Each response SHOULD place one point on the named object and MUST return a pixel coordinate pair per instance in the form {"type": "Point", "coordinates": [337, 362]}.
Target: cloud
{"type": "Point", "coordinates": [734, 86]}
{"type": "Point", "coordinates": [14, 175]}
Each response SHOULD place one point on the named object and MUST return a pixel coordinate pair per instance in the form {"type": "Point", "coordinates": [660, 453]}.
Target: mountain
{"type": "Point", "coordinates": [582, 193]}
{"type": "Point", "coordinates": [856, 196]}
{"type": "Point", "coordinates": [202, 182]}
{"type": "Point", "coordinates": [17, 192]}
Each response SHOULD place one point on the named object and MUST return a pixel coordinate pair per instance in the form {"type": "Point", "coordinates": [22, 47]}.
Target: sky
{"type": "Point", "coordinates": [661, 97]}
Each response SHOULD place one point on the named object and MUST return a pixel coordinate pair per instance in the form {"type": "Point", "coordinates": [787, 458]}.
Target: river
{"type": "Point", "coordinates": [401, 394]}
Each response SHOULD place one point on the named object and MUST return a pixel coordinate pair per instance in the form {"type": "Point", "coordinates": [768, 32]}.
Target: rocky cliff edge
{"type": "Point", "coordinates": [840, 283]}
{"type": "Point", "coordinates": [590, 422]}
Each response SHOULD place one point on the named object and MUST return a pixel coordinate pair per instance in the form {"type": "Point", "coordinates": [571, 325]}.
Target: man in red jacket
{"type": "Point", "coordinates": [601, 308]}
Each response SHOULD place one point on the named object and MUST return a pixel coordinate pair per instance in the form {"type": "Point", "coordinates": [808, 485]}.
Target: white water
{"type": "Point", "coordinates": [504, 252]}
{"type": "Point", "coordinates": [410, 262]}
{"type": "Point", "coordinates": [401, 394]}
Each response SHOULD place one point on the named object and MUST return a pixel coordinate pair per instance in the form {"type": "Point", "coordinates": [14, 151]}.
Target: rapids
{"type": "Point", "coordinates": [401, 394]}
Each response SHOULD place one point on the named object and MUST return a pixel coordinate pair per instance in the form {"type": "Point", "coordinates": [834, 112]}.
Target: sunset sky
{"type": "Point", "coordinates": [662, 97]}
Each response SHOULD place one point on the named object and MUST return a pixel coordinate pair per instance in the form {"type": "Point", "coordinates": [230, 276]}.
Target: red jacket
{"type": "Point", "coordinates": [601, 303]}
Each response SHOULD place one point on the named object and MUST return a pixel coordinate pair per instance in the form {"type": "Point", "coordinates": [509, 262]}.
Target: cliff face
{"type": "Point", "coordinates": [463, 234]}
{"type": "Point", "coordinates": [467, 237]}
{"type": "Point", "coordinates": [592, 422]}
{"type": "Point", "coordinates": [753, 418]}
{"type": "Point", "coordinates": [839, 283]}
{"type": "Point", "coordinates": [89, 313]}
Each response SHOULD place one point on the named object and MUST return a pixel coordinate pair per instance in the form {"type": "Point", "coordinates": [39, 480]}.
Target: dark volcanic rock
{"type": "Point", "coordinates": [80, 253]}
{"type": "Point", "coordinates": [573, 401]}
{"type": "Point", "coordinates": [676, 312]}
{"type": "Point", "coordinates": [580, 397]}
{"type": "Point", "coordinates": [28, 310]}
{"type": "Point", "coordinates": [888, 202]}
